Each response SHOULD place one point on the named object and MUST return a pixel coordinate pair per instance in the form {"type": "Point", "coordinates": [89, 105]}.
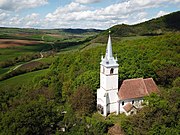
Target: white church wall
{"type": "Point", "coordinates": [136, 102]}
{"type": "Point", "coordinates": [113, 96]}
{"type": "Point", "coordinates": [102, 80]}
{"type": "Point", "coordinates": [109, 82]}
{"type": "Point", "coordinates": [108, 70]}
{"type": "Point", "coordinates": [101, 69]}
{"type": "Point", "coordinates": [108, 100]}
{"type": "Point", "coordinates": [107, 97]}
{"type": "Point", "coordinates": [101, 100]}
{"type": "Point", "coordinates": [112, 107]}
{"type": "Point", "coordinates": [100, 97]}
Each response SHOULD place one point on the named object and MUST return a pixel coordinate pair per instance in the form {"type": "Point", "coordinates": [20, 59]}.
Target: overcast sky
{"type": "Point", "coordinates": [99, 14]}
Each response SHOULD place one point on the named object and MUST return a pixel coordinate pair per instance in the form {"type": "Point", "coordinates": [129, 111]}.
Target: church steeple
{"type": "Point", "coordinates": [109, 54]}
{"type": "Point", "coordinates": [109, 60]}
{"type": "Point", "coordinates": [107, 98]}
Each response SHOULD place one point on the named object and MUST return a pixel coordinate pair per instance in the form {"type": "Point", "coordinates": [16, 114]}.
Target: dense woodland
{"type": "Point", "coordinates": [65, 96]}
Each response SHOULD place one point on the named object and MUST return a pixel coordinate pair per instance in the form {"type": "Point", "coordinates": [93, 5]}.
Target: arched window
{"type": "Point", "coordinates": [111, 71]}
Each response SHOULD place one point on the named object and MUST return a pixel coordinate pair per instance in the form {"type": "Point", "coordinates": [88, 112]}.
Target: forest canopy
{"type": "Point", "coordinates": [52, 101]}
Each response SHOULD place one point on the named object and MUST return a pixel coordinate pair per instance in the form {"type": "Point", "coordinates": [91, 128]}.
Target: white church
{"type": "Point", "coordinates": [129, 97]}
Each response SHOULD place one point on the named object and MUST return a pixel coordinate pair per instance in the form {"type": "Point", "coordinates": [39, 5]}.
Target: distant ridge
{"type": "Point", "coordinates": [157, 26]}
{"type": "Point", "coordinates": [56, 30]}
{"type": "Point", "coordinates": [80, 31]}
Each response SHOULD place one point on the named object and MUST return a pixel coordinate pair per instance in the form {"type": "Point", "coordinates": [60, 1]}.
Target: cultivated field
{"type": "Point", "coordinates": [9, 43]}
{"type": "Point", "coordinates": [27, 50]}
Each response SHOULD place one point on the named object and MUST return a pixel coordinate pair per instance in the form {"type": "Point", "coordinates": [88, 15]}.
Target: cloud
{"type": "Point", "coordinates": [139, 17]}
{"type": "Point", "coordinates": [161, 13]}
{"type": "Point", "coordinates": [87, 1]}
{"type": "Point", "coordinates": [176, 1]}
{"type": "Point", "coordinates": [30, 20]}
{"type": "Point", "coordinates": [15, 5]}
{"type": "Point", "coordinates": [77, 15]}
{"type": "Point", "coordinates": [3, 15]}
{"type": "Point", "coordinates": [80, 15]}
{"type": "Point", "coordinates": [67, 13]}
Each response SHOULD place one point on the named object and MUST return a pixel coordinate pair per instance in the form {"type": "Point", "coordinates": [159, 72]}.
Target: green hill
{"type": "Point", "coordinates": [157, 26]}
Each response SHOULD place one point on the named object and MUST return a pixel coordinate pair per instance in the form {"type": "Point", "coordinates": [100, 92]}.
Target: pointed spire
{"type": "Point", "coordinates": [108, 60]}
{"type": "Point", "coordinates": [109, 53]}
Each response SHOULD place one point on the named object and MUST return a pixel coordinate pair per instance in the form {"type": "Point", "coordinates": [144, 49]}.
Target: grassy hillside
{"type": "Point", "coordinates": [157, 26]}
{"type": "Point", "coordinates": [20, 80]}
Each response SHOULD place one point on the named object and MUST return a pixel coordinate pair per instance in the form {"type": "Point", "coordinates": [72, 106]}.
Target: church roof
{"type": "Point", "coordinates": [128, 107]}
{"type": "Point", "coordinates": [137, 88]}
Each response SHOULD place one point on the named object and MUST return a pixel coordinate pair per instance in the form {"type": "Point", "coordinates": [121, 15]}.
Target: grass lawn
{"type": "Point", "coordinates": [22, 79]}
{"type": "Point", "coordinates": [4, 70]}
{"type": "Point", "coordinates": [11, 53]}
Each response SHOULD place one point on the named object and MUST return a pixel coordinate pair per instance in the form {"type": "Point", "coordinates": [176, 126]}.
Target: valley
{"type": "Point", "coordinates": [49, 78]}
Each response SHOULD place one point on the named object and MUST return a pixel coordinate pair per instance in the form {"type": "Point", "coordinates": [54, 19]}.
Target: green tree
{"type": "Point", "coordinates": [160, 116]}
{"type": "Point", "coordinates": [90, 78]}
{"type": "Point", "coordinates": [176, 82]}
{"type": "Point", "coordinates": [36, 117]}
{"type": "Point", "coordinates": [83, 101]}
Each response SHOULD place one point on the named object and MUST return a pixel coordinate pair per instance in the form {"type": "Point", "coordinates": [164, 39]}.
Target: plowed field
{"type": "Point", "coordinates": [8, 43]}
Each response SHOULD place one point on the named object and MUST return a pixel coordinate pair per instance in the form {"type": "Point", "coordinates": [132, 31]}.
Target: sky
{"type": "Point", "coordinates": [99, 14]}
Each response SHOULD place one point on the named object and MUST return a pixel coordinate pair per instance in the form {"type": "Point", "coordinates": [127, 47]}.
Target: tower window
{"type": "Point", "coordinates": [122, 102]}
{"type": "Point", "coordinates": [111, 71]}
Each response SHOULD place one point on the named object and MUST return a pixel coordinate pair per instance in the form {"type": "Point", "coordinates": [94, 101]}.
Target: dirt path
{"type": "Point", "coordinates": [17, 67]}
{"type": "Point", "coordinates": [42, 38]}
{"type": "Point", "coordinates": [24, 64]}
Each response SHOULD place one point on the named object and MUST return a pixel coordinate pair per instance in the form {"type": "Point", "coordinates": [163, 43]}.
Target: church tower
{"type": "Point", "coordinates": [107, 94]}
